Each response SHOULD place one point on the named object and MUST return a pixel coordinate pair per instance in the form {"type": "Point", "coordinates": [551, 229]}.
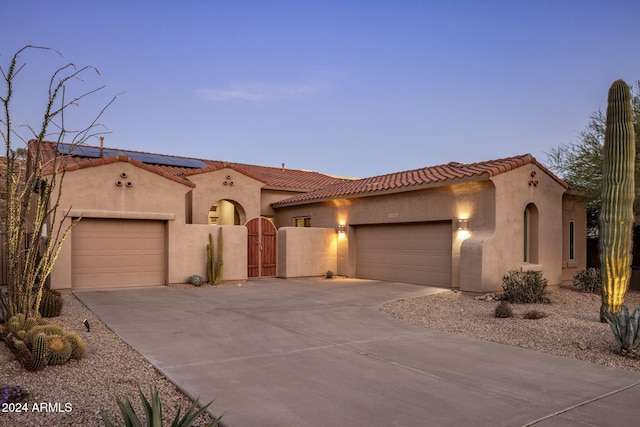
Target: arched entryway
{"type": "Point", "coordinates": [261, 248]}
{"type": "Point", "coordinates": [226, 212]}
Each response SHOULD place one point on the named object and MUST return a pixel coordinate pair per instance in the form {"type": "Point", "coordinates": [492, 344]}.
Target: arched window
{"type": "Point", "coordinates": [531, 234]}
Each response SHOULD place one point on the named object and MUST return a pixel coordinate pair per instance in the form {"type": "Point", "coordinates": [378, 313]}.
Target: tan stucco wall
{"type": "Point", "coordinates": [188, 251]}
{"type": "Point", "coordinates": [210, 187]}
{"type": "Point", "coordinates": [309, 251]}
{"type": "Point", "coordinates": [504, 250]}
{"type": "Point", "coordinates": [271, 196]}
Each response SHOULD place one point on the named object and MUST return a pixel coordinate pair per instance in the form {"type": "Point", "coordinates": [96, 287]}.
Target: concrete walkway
{"type": "Point", "coordinates": [319, 353]}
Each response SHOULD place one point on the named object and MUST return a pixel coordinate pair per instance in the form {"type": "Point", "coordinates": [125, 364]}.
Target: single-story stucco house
{"type": "Point", "coordinates": [145, 220]}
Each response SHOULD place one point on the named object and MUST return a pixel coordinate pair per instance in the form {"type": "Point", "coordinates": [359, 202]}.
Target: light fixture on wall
{"type": "Point", "coordinates": [341, 228]}
{"type": "Point", "coordinates": [463, 224]}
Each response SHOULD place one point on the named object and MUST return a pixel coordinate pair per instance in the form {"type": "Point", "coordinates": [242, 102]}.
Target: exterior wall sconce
{"type": "Point", "coordinates": [341, 228]}
{"type": "Point", "coordinates": [463, 224]}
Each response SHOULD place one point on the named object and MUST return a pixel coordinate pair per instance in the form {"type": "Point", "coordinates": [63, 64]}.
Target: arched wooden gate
{"type": "Point", "coordinates": [261, 248]}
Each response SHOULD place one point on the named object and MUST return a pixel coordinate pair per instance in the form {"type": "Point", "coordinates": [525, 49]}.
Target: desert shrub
{"type": "Point", "coordinates": [328, 274]}
{"type": "Point", "coordinates": [503, 310]}
{"type": "Point", "coordinates": [588, 280]}
{"type": "Point", "coordinates": [524, 287]}
{"type": "Point", "coordinates": [534, 314]}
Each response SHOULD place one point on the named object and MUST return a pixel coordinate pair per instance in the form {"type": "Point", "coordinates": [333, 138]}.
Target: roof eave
{"type": "Point", "coordinates": [434, 184]}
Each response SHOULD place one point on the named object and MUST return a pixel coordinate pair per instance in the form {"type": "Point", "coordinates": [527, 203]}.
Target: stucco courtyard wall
{"type": "Point", "coordinates": [188, 251]}
{"type": "Point", "coordinates": [306, 251]}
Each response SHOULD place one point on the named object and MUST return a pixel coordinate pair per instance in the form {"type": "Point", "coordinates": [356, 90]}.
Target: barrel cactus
{"type": "Point", "coordinates": [195, 280]}
{"type": "Point", "coordinates": [51, 303]}
{"type": "Point", "coordinates": [59, 350]}
{"type": "Point", "coordinates": [78, 347]}
{"type": "Point", "coordinates": [616, 215]}
{"type": "Point", "coordinates": [39, 353]}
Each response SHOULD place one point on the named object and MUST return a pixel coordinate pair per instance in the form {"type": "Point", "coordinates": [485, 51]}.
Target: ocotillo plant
{"type": "Point", "coordinates": [616, 215]}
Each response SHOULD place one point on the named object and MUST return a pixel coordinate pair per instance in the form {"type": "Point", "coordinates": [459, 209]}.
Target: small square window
{"type": "Point", "coordinates": [302, 221]}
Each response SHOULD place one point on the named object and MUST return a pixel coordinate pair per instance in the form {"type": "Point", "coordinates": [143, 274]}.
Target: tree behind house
{"type": "Point", "coordinates": [580, 163]}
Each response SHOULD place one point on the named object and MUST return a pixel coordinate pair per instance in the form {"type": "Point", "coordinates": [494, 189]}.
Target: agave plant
{"type": "Point", "coordinates": [626, 330]}
{"type": "Point", "coordinates": [153, 413]}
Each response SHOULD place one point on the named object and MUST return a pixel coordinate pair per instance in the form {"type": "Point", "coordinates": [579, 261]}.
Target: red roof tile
{"type": "Point", "coordinates": [274, 178]}
{"type": "Point", "coordinates": [404, 181]}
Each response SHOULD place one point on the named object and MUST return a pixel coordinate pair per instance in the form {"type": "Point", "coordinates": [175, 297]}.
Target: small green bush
{"type": "Point", "coordinates": [328, 274]}
{"type": "Point", "coordinates": [588, 280]}
{"type": "Point", "coordinates": [524, 287]}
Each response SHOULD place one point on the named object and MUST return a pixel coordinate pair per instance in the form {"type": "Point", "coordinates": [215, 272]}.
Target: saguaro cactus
{"type": "Point", "coordinates": [616, 215]}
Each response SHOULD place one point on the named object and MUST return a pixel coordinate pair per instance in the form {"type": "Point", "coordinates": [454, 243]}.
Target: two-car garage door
{"type": "Point", "coordinates": [117, 253]}
{"type": "Point", "coordinates": [413, 253]}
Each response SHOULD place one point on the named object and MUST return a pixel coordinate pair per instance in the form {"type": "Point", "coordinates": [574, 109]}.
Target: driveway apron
{"type": "Point", "coordinates": [319, 352]}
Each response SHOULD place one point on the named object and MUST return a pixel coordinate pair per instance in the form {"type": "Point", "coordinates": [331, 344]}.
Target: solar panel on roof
{"type": "Point", "coordinates": [149, 158]}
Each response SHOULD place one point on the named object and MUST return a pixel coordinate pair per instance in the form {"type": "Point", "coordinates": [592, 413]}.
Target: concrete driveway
{"type": "Point", "coordinates": [319, 353]}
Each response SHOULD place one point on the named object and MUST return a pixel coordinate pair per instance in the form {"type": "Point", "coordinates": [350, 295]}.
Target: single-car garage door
{"type": "Point", "coordinates": [413, 253]}
{"type": "Point", "coordinates": [117, 253]}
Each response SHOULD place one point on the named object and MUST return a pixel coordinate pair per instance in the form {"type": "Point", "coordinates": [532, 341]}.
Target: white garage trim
{"type": "Point", "coordinates": [118, 253]}
{"type": "Point", "coordinates": [414, 253]}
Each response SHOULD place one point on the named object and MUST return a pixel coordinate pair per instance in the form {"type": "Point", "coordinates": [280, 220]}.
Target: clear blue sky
{"type": "Point", "coordinates": [343, 87]}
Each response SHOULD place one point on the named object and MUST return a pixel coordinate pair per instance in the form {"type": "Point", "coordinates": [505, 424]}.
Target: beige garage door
{"type": "Point", "coordinates": [117, 253]}
{"type": "Point", "coordinates": [413, 253]}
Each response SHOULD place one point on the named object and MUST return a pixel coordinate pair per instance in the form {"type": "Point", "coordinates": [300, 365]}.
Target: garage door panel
{"type": "Point", "coordinates": [117, 253]}
{"type": "Point", "coordinates": [414, 253]}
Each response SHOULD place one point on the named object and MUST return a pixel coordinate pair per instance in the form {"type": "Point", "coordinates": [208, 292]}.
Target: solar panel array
{"type": "Point", "coordinates": [153, 159]}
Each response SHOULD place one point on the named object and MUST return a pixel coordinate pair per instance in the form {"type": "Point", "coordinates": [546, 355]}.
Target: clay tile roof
{"type": "Point", "coordinates": [274, 178]}
{"type": "Point", "coordinates": [406, 180]}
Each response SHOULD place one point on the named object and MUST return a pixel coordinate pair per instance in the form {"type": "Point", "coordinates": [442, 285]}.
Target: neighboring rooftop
{"type": "Point", "coordinates": [407, 180]}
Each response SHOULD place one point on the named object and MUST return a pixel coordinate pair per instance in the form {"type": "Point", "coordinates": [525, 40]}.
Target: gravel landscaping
{"type": "Point", "coordinates": [572, 327]}
{"type": "Point", "coordinates": [75, 393]}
